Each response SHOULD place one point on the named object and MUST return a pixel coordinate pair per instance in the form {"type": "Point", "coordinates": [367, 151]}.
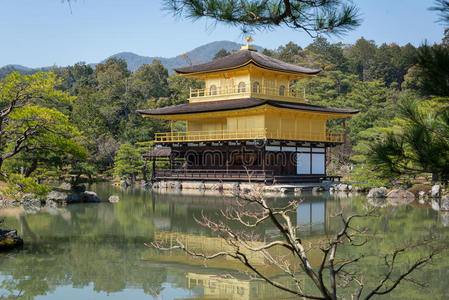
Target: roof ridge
{"type": "Point", "coordinates": [243, 57]}
{"type": "Point", "coordinates": [235, 104]}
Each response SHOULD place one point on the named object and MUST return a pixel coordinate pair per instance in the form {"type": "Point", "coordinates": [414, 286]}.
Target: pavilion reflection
{"type": "Point", "coordinates": [232, 288]}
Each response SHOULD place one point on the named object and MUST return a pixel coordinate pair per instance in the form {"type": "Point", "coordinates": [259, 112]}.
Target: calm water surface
{"type": "Point", "coordinates": [96, 251]}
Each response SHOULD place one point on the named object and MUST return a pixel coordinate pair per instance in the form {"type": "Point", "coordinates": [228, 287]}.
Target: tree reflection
{"type": "Point", "coordinates": [101, 246]}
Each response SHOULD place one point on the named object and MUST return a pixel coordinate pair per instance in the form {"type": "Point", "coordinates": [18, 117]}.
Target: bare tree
{"type": "Point", "coordinates": [328, 277]}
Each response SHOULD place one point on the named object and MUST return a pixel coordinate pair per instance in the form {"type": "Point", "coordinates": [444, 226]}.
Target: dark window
{"type": "Point", "coordinates": [242, 87]}
{"type": "Point", "coordinates": [281, 90]}
{"type": "Point", "coordinates": [213, 90]}
{"type": "Point", "coordinates": [256, 87]}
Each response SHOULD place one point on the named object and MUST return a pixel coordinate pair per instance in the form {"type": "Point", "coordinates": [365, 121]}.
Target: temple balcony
{"type": "Point", "coordinates": [239, 92]}
{"type": "Point", "coordinates": [248, 134]}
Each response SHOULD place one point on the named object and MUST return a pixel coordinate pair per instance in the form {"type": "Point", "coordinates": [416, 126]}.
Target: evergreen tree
{"type": "Point", "coordinates": [311, 16]}
{"type": "Point", "coordinates": [128, 162]}
{"type": "Point", "coordinates": [421, 146]}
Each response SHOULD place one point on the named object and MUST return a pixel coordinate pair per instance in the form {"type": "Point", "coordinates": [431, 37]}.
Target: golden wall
{"type": "Point", "coordinates": [241, 84]}
{"type": "Point", "coordinates": [275, 123]}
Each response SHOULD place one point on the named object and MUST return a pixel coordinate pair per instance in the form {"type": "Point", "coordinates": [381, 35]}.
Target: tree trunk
{"type": "Point", "coordinates": [31, 169]}
{"type": "Point", "coordinates": [434, 178]}
{"type": "Point", "coordinates": [133, 178]}
{"type": "Point", "coordinates": [144, 171]}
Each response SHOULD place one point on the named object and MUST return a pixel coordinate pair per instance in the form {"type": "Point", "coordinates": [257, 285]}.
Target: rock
{"type": "Point", "coordinates": [297, 191]}
{"type": "Point", "coordinates": [31, 204]}
{"type": "Point", "coordinates": [89, 196]}
{"type": "Point", "coordinates": [400, 194]}
{"type": "Point", "coordinates": [30, 199]}
{"type": "Point", "coordinates": [86, 196]}
{"type": "Point", "coordinates": [377, 192]}
{"type": "Point", "coordinates": [74, 198]}
{"type": "Point", "coordinates": [177, 186]}
{"type": "Point", "coordinates": [51, 204]}
{"type": "Point", "coordinates": [357, 189]}
{"type": "Point", "coordinates": [9, 240]}
{"type": "Point", "coordinates": [422, 195]}
{"type": "Point", "coordinates": [9, 203]}
{"type": "Point", "coordinates": [283, 190]}
{"type": "Point", "coordinates": [342, 187]}
{"type": "Point", "coordinates": [80, 188]}
{"type": "Point", "coordinates": [124, 183]}
{"type": "Point", "coordinates": [436, 191]}
{"type": "Point", "coordinates": [444, 204]}
{"type": "Point", "coordinates": [65, 186]}
{"type": "Point", "coordinates": [316, 189]}
{"type": "Point", "coordinates": [114, 199]}
{"type": "Point", "coordinates": [56, 196]}
{"type": "Point", "coordinates": [236, 188]}
{"type": "Point", "coordinates": [331, 189]}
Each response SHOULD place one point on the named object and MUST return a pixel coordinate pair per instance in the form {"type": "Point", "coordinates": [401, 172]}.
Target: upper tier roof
{"type": "Point", "coordinates": [226, 105]}
{"type": "Point", "coordinates": [242, 58]}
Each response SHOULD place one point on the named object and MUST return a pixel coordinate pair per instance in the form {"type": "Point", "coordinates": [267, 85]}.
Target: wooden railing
{"type": "Point", "coordinates": [248, 134]}
{"type": "Point", "coordinates": [247, 91]}
{"type": "Point", "coordinates": [214, 174]}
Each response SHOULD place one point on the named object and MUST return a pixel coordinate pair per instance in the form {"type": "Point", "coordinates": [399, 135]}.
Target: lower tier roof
{"type": "Point", "coordinates": [235, 104]}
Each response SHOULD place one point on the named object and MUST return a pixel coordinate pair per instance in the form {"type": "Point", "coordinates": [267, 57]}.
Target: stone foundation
{"type": "Point", "coordinates": [187, 187]}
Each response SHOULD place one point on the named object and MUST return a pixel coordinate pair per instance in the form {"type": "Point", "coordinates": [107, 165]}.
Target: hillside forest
{"type": "Point", "coordinates": [81, 121]}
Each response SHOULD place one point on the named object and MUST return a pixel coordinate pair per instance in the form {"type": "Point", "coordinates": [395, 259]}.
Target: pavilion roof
{"type": "Point", "coordinates": [245, 57]}
{"type": "Point", "coordinates": [235, 104]}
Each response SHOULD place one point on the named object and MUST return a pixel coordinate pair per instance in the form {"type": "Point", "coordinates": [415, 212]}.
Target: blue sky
{"type": "Point", "coordinates": [42, 33]}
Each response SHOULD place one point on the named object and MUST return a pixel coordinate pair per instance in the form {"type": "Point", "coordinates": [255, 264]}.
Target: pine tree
{"type": "Point", "coordinates": [128, 162]}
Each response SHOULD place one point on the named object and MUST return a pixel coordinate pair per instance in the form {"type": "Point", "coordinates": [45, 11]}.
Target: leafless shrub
{"type": "Point", "coordinates": [329, 277]}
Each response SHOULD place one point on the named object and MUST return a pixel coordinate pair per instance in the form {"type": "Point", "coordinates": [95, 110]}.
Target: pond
{"type": "Point", "coordinates": [97, 251]}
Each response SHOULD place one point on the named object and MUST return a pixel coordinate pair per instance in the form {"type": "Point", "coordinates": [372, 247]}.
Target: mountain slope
{"type": "Point", "coordinates": [8, 69]}
{"type": "Point", "coordinates": [198, 55]}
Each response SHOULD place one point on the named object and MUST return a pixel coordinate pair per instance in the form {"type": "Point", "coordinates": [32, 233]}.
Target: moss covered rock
{"type": "Point", "coordinates": [9, 240]}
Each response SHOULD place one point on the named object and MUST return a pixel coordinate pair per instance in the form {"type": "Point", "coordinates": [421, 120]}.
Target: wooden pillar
{"type": "Point", "coordinates": [227, 159]}
{"type": "Point", "coordinates": [153, 171]}
{"type": "Point", "coordinates": [171, 161]}
{"type": "Point", "coordinates": [263, 166]}
{"type": "Point", "coordinates": [326, 160]}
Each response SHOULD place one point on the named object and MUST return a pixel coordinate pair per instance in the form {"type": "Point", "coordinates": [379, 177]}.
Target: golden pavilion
{"type": "Point", "coordinates": [246, 124]}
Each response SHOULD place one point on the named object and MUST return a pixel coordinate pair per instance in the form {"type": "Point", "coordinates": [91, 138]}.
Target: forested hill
{"type": "Point", "coordinates": [8, 69]}
{"type": "Point", "coordinates": [200, 54]}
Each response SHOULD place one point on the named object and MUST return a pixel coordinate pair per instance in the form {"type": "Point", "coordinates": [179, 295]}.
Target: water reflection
{"type": "Point", "coordinates": [96, 250]}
